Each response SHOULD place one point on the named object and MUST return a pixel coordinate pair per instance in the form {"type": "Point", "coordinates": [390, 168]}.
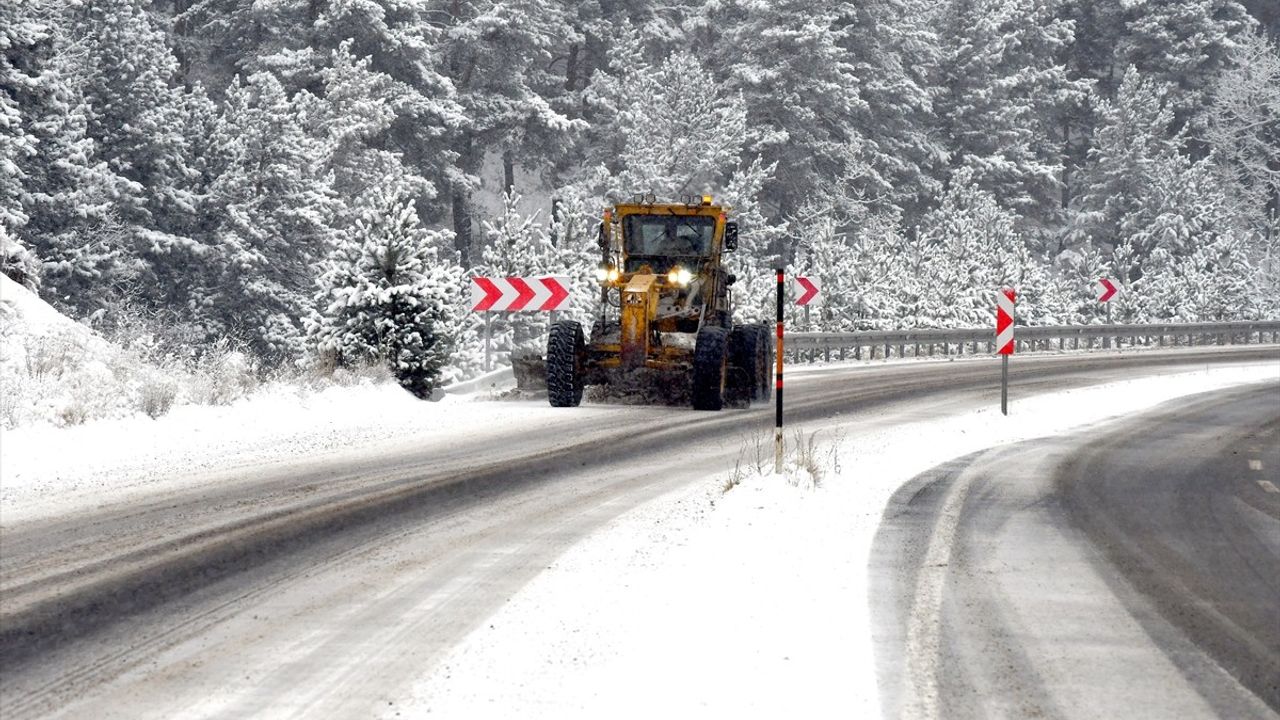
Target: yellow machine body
{"type": "Point", "coordinates": [665, 325]}
{"type": "Point", "coordinates": [658, 297]}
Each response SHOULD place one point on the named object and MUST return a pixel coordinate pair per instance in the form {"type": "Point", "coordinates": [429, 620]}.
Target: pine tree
{"type": "Point", "coordinates": [1243, 132]}
{"type": "Point", "coordinates": [359, 109]}
{"type": "Point", "coordinates": [272, 208]}
{"type": "Point", "coordinates": [68, 192]}
{"type": "Point", "coordinates": [972, 249]}
{"type": "Point", "coordinates": [143, 127]}
{"type": "Point", "coordinates": [19, 37]}
{"type": "Point", "coordinates": [895, 54]}
{"type": "Point", "coordinates": [387, 297]}
{"type": "Point", "coordinates": [1184, 44]}
{"type": "Point", "coordinates": [1215, 282]}
{"type": "Point", "coordinates": [1134, 137]}
{"type": "Point", "coordinates": [1003, 90]}
{"type": "Point", "coordinates": [799, 90]}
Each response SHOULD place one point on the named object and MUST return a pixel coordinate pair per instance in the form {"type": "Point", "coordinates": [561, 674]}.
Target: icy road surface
{"type": "Point", "coordinates": [499, 559]}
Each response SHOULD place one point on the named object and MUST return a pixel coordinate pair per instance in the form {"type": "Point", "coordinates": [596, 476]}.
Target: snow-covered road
{"type": "Point", "coordinates": [505, 559]}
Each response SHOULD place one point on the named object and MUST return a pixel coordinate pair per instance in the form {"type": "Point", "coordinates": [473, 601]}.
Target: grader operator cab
{"type": "Point", "coordinates": [666, 316]}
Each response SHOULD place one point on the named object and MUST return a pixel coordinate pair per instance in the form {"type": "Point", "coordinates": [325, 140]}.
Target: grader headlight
{"type": "Point", "coordinates": [679, 276]}
{"type": "Point", "coordinates": [606, 274]}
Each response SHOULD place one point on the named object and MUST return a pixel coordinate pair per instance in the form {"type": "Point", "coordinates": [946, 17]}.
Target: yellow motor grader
{"type": "Point", "coordinates": [666, 315]}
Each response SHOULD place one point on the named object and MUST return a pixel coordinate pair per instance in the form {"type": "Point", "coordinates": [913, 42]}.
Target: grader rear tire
{"type": "Point", "coordinates": [765, 358]}
{"type": "Point", "coordinates": [709, 368]}
{"type": "Point", "coordinates": [566, 350]}
{"type": "Point", "coordinates": [742, 384]}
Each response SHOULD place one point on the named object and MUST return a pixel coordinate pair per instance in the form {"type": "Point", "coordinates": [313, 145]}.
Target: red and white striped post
{"type": "Point", "coordinates": [777, 421]}
{"type": "Point", "coordinates": [1004, 341]}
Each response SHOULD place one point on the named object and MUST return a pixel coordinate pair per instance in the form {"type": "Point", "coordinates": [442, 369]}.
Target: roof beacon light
{"type": "Point", "coordinates": [706, 199]}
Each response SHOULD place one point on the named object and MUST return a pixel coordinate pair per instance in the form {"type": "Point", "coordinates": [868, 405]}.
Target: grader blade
{"type": "Point", "coordinates": [639, 303]}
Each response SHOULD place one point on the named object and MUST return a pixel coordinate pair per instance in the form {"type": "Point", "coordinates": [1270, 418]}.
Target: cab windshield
{"type": "Point", "coordinates": [658, 240]}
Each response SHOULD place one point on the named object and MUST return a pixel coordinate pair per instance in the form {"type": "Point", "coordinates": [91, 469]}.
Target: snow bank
{"type": "Point", "coordinates": [58, 373]}
{"type": "Point", "coordinates": [52, 368]}
{"type": "Point", "coordinates": [750, 602]}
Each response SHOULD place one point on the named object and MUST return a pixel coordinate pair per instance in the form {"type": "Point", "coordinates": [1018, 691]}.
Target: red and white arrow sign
{"type": "Point", "coordinates": [807, 289]}
{"type": "Point", "coordinates": [1105, 288]}
{"type": "Point", "coordinates": [1004, 321]}
{"type": "Point", "coordinates": [514, 294]}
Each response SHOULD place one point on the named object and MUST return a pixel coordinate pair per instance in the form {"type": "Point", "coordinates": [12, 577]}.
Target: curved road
{"type": "Point", "coordinates": [328, 587]}
{"type": "Point", "coordinates": [1132, 570]}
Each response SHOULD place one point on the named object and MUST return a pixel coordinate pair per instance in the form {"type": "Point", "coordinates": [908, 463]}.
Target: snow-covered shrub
{"type": "Point", "coordinates": [156, 394]}
{"type": "Point", "coordinates": [221, 375]}
{"type": "Point", "coordinates": [53, 353]}
{"type": "Point", "coordinates": [92, 391]}
{"type": "Point", "coordinates": [386, 295]}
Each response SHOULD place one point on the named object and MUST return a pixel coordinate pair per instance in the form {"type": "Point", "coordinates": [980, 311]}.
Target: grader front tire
{"type": "Point", "coordinates": [709, 368]}
{"type": "Point", "coordinates": [566, 350]}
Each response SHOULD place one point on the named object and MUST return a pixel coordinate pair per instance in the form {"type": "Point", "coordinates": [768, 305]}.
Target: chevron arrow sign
{"type": "Point", "coordinates": [807, 289]}
{"type": "Point", "coordinates": [1105, 288]}
{"type": "Point", "coordinates": [1004, 321]}
{"type": "Point", "coordinates": [515, 294]}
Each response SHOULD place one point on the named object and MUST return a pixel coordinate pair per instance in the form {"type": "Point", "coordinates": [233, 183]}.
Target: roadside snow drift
{"type": "Point", "coordinates": [750, 602]}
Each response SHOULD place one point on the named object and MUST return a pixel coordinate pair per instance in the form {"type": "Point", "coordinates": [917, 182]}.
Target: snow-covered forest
{"type": "Point", "coordinates": [312, 181]}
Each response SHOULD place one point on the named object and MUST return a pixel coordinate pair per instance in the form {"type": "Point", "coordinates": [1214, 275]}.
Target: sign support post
{"type": "Point", "coordinates": [1004, 384]}
{"type": "Point", "coordinates": [488, 349]}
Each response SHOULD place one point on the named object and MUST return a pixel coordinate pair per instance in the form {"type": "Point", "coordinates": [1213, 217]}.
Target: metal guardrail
{"type": "Point", "coordinates": [924, 342]}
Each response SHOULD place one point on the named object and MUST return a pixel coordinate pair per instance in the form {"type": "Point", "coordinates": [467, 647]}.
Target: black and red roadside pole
{"type": "Point", "coordinates": [777, 423]}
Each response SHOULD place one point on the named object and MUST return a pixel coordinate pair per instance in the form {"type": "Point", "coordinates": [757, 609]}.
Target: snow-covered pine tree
{"type": "Point", "coordinates": [19, 36]}
{"type": "Point", "coordinates": [386, 296]}
{"type": "Point", "coordinates": [881, 274]}
{"type": "Point", "coordinates": [272, 208]}
{"type": "Point", "coordinates": [678, 133]}
{"type": "Point", "coordinates": [799, 90]}
{"type": "Point", "coordinates": [1134, 136]}
{"type": "Point", "coordinates": [577, 254]}
{"type": "Point", "coordinates": [69, 197]}
{"type": "Point", "coordinates": [756, 258]}
{"type": "Point", "coordinates": [894, 51]}
{"type": "Point", "coordinates": [359, 109]}
{"type": "Point", "coordinates": [826, 254]}
{"type": "Point", "coordinates": [1242, 131]}
{"type": "Point", "coordinates": [500, 59]}
{"type": "Point", "coordinates": [1003, 88]}
{"type": "Point", "coordinates": [1147, 200]}
{"type": "Point", "coordinates": [142, 126]}
{"type": "Point", "coordinates": [1076, 272]}
{"type": "Point", "coordinates": [1214, 282]}
{"type": "Point", "coordinates": [972, 249]}
{"type": "Point", "coordinates": [1185, 45]}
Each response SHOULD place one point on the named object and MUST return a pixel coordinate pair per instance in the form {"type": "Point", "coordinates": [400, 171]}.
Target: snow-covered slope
{"type": "Point", "coordinates": [52, 368]}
